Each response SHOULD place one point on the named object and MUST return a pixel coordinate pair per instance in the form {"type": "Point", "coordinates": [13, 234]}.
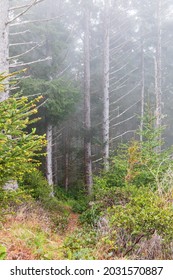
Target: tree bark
{"type": "Point", "coordinates": [142, 83]}
{"type": "Point", "coordinates": [66, 156]}
{"type": "Point", "coordinates": [55, 155]}
{"type": "Point", "coordinates": [106, 70]}
{"type": "Point", "coordinates": [158, 73]}
{"type": "Point", "coordinates": [49, 173]}
{"type": "Point", "coordinates": [87, 113]}
{"type": "Point", "coordinates": [4, 43]}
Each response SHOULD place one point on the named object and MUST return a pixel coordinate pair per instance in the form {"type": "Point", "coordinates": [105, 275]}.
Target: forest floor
{"type": "Point", "coordinates": [31, 235]}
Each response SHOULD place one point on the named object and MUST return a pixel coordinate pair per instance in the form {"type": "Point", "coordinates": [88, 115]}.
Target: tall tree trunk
{"type": "Point", "coordinates": [66, 153]}
{"type": "Point", "coordinates": [49, 172]}
{"type": "Point", "coordinates": [87, 114]}
{"type": "Point", "coordinates": [55, 156]}
{"type": "Point", "coordinates": [106, 70]}
{"type": "Point", "coordinates": [4, 43]}
{"type": "Point", "coordinates": [66, 170]}
{"type": "Point", "coordinates": [158, 73]}
{"type": "Point", "coordinates": [142, 83]}
{"type": "Point", "coordinates": [4, 62]}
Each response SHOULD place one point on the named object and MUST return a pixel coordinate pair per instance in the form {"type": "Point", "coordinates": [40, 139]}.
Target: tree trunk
{"type": "Point", "coordinates": [4, 43]}
{"type": "Point", "coordinates": [158, 73]}
{"type": "Point", "coordinates": [87, 116]}
{"type": "Point", "coordinates": [4, 62]}
{"type": "Point", "coordinates": [66, 171]}
{"type": "Point", "coordinates": [142, 83]}
{"type": "Point", "coordinates": [106, 71]}
{"type": "Point", "coordinates": [49, 173]}
{"type": "Point", "coordinates": [55, 156]}
{"type": "Point", "coordinates": [66, 159]}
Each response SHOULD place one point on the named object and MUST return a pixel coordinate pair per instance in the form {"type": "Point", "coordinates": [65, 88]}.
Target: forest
{"type": "Point", "coordinates": [86, 131]}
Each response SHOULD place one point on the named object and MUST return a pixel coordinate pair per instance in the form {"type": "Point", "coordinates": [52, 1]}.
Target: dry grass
{"type": "Point", "coordinates": [29, 235]}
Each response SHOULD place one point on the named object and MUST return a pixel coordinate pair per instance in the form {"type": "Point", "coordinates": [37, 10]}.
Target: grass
{"type": "Point", "coordinates": [30, 235]}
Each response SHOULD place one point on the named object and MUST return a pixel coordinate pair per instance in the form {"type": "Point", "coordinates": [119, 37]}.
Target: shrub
{"type": "Point", "coordinates": [145, 213]}
{"type": "Point", "coordinates": [36, 185]}
{"type": "Point", "coordinates": [80, 245]}
{"type": "Point", "coordinates": [10, 200]}
{"type": "Point", "coordinates": [17, 146]}
{"type": "Point", "coordinates": [91, 215]}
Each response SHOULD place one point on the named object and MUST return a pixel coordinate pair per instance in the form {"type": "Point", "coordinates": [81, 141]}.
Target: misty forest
{"type": "Point", "coordinates": [86, 130]}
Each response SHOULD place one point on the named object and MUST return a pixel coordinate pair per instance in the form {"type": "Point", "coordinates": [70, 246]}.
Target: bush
{"type": "Point", "coordinates": [80, 245]}
{"type": "Point", "coordinates": [145, 213]}
{"type": "Point", "coordinates": [10, 200]}
{"type": "Point", "coordinates": [18, 147]}
{"type": "Point", "coordinates": [91, 215]}
{"type": "Point", "coordinates": [36, 185]}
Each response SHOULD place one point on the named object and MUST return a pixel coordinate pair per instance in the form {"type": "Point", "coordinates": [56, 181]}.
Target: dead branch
{"type": "Point", "coordinates": [22, 44]}
{"type": "Point", "coordinates": [29, 6]}
{"type": "Point", "coordinates": [23, 6]}
{"type": "Point", "coordinates": [34, 21]}
{"type": "Point", "coordinates": [120, 135]}
{"type": "Point", "coordinates": [130, 91]}
{"type": "Point", "coordinates": [126, 110]}
{"type": "Point", "coordinates": [123, 121]}
{"type": "Point", "coordinates": [29, 63]}
{"type": "Point", "coordinates": [19, 33]}
{"type": "Point", "coordinates": [28, 51]}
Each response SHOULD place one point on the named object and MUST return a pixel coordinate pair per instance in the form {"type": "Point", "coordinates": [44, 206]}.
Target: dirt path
{"type": "Point", "coordinates": [19, 231]}
{"type": "Point", "coordinates": [72, 224]}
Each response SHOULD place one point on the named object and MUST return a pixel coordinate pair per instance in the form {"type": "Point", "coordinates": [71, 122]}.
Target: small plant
{"type": "Point", "coordinates": [3, 252]}
{"type": "Point", "coordinates": [80, 245]}
{"type": "Point", "coordinates": [91, 215]}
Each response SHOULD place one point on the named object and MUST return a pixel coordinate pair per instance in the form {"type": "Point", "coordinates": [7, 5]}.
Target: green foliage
{"type": "Point", "coordinates": [10, 200]}
{"type": "Point", "coordinates": [36, 185]}
{"type": "Point", "coordinates": [3, 252]}
{"type": "Point", "coordinates": [60, 95]}
{"type": "Point", "coordinates": [143, 214]}
{"type": "Point", "coordinates": [138, 163]}
{"type": "Point", "coordinates": [17, 146]}
{"type": "Point", "coordinates": [134, 196]}
{"type": "Point", "coordinates": [80, 245]}
{"type": "Point", "coordinates": [80, 205]}
{"type": "Point", "coordinates": [91, 215]}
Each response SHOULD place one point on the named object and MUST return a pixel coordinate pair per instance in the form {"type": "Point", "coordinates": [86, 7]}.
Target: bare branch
{"type": "Point", "coordinates": [21, 78]}
{"type": "Point", "coordinates": [29, 63]}
{"type": "Point", "coordinates": [123, 121]}
{"type": "Point", "coordinates": [29, 6]}
{"type": "Point", "coordinates": [123, 84]}
{"type": "Point", "coordinates": [23, 6]}
{"type": "Point", "coordinates": [28, 51]}
{"type": "Point", "coordinates": [120, 135]}
{"type": "Point", "coordinates": [22, 44]}
{"type": "Point", "coordinates": [44, 102]}
{"type": "Point", "coordinates": [130, 91]}
{"type": "Point", "coordinates": [33, 21]}
{"type": "Point", "coordinates": [125, 110]}
{"type": "Point", "coordinates": [14, 88]}
{"type": "Point", "coordinates": [117, 70]}
{"type": "Point", "coordinates": [63, 71]}
{"type": "Point", "coordinates": [19, 33]}
{"type": "Point", "coordinates": [97, 160]}
{"type": "Point", "coordinates": [126, 75]}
